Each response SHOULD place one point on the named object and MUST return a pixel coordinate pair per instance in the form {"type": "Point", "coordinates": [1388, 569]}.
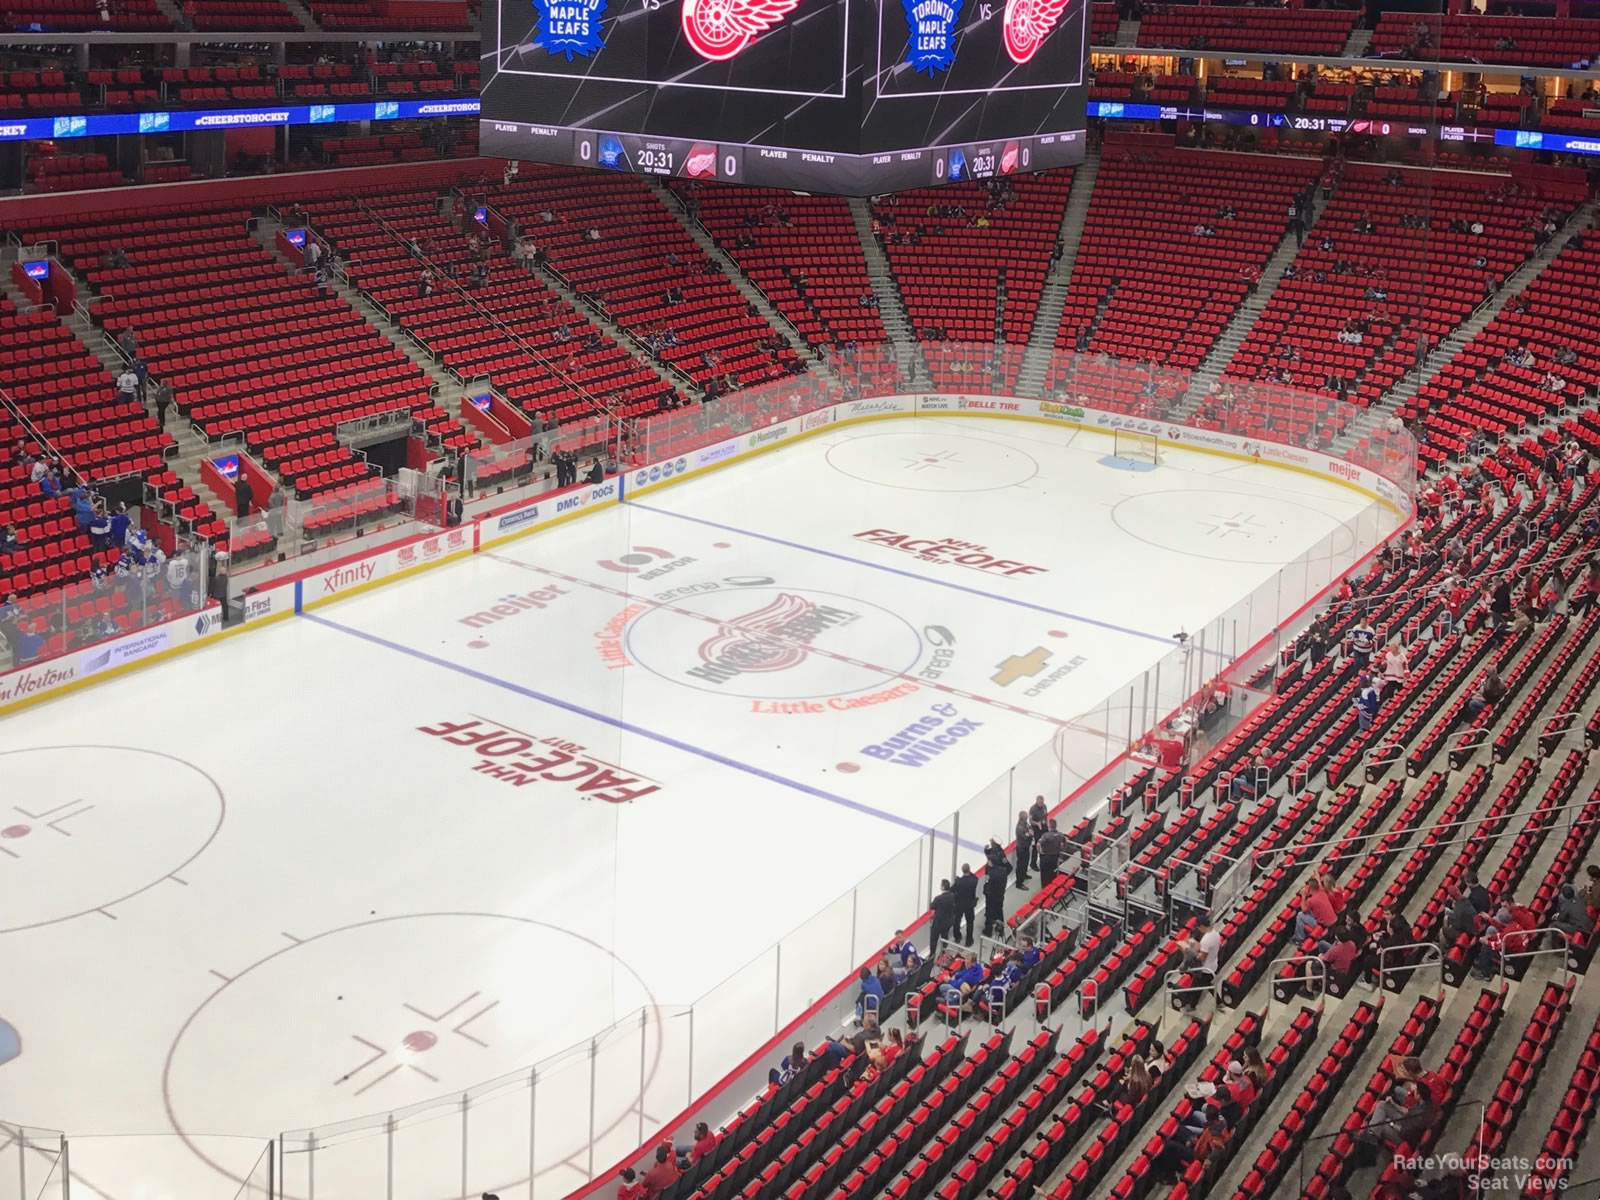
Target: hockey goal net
{"type": "Point", "coordinates": [1136, 447]}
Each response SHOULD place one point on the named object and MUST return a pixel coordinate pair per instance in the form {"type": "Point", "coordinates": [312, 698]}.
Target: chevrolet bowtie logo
{"type": "Point", "coordinates": [1020, 666]}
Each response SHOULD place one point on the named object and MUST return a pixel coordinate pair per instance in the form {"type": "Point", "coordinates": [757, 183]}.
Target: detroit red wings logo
{"type": "Point", "coordinates": [747, 642]}
{"type": "Point", "coordinates": [1027, 23]}
{"type": "Point", "coordinates": [720, 29]}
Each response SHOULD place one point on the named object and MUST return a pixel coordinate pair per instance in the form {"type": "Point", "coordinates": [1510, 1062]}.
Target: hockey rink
{"type": "Point", "coordinates": [440, 831]}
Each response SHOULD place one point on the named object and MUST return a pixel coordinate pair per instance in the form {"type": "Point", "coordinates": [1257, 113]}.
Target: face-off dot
{"type": "Point", "coordinates": [848, 768]}
{"type": "Point", "coordinates": [635, 560]}
{"type": "Point", "coordinates": [478, 644]}
{"type": "Point", "coordinates": [16, 831]}
{"type": "Point", "coordinates": [420, 1040]}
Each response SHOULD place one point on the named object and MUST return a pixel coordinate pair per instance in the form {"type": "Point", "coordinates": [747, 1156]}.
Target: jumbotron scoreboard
{"type": "Point", "coordinates": [844, 96]}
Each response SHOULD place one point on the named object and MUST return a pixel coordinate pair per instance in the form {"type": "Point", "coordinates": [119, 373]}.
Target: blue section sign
{"type": "Point", "coordinates": [39, 129]}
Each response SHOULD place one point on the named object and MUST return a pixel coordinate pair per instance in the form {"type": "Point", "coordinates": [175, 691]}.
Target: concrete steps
{"type": "Point", "coordinates": [1127, 33]}
{"type": "Point", "coordinates": [1238, 328]}
{"type": "Point", "coordinates": [1047, 320]}
{"type": "Point", "coordinates": [891, 306]}
{"type": "Point", "coordinates": [1360, 39]}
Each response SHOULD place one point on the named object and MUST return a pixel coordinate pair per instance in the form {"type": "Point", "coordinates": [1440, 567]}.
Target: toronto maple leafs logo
{"type": "Point", "coordinates": [569, 27]}
{"type": "Point", "coordinates": [932, 46]}
{"type": "Point", "coordinates": [1027, 23]}
{"type": "Point", "coordinates": [720, 29]}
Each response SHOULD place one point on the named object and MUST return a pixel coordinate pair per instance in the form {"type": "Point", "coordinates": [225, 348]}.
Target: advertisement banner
{"type": "Point", "coordinates": [547, 510]}
{"type": "Point", "coordinates": [42, 678]}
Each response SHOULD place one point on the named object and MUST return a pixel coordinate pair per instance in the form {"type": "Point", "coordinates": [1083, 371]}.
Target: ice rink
{"type": "Point", "coordinates": [439, 831]}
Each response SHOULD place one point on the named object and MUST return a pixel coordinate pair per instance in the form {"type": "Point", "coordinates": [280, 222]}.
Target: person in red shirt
{"type": "Point", "coordinates": [1316, 912]}
{"type": "Point", "coordinates": [704, 1142]}
{"type": "Point", "coordinates": [663, 1172]}
{"type": "Point", "coordinates": [630, 1188]}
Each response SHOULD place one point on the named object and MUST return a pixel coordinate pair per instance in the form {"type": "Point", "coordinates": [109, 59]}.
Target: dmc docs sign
{"type": "Point", "coordinates": [544, 511]}
{"type": "Point", "coordinates": [519, 760]}
{"type": "Point", "coordinates": [39, 679]}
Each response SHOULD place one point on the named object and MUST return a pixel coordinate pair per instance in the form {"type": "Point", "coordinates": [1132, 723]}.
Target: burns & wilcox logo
{"type": "Point", "coordinates": [931, 46]}
{"type": "Point", "coordinates": [569, 27]}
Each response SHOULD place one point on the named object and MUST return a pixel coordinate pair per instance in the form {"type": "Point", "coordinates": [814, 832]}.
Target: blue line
{"type": "Point", "coordinates": [944, 583]}
{"type": "Point", "coordinates": [626, 727]}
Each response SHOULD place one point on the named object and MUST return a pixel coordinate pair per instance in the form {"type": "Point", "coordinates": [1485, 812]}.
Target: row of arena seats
{"type": "Point", "coordinates": [1524, 41]}
{"type": "Point", "coordinates": [59, 90]}
{"type": "Point", "coordinates": [247, 345]}
{"type": "Point", "coordinates": [134, 16]}
{"type": "Point", "coordinates": [640, 252]}
{"type": "Point", "coordinates": [1388, 264]}
{"type": "Point", "coordinates": [1235, 27]}
{"type": "Point", "coordinates": [541, 353]}
{"type": "Point", "coordinates": [970, 260]}
{"type": "Point", "coordinates": [1145, 285]}
{"type": "Point", "coordinates": [803, 252]}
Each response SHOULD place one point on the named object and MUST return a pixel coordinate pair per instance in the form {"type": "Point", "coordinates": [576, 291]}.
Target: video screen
{"type": "Point", "coordinates": [843, 96]}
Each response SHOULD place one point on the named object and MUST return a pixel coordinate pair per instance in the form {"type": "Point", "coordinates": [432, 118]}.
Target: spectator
{"type": "Point", "coordinates": [1316, 911]}
{"type": "Point", "coordinates": [1591, 892]}
{"type": "Point", "coordinates": [1477, 894]}
{"type": "Point", "coordinates": [243, 495]}
{"type": "Point", "coordinates": [630, 1188]}
{"type": "Point", "coordinates": [163, 401]}
{"type": "Point", "coordinates": [1395, 672]}
{"type": "Point", "coordinates": [1136, 1080]}
{"type": "Point", "coordinates": [1202, 956]}
{"type": "Point", "coordinates": [1254, 1066]}
{"type": "Point", "coordinates": [128, 386]}
{"type": "Point", "coordinates": [1314, 641]}
{"type": "Point", "coordinates": [1393, 1118]}
{"type": "Point", "coordinates": [1572, 914]}
{"type": "Point", "coordinates": [944, 917]}
{"type": "Point", "coordinates": [128, 343]}
{"type": "Point", "coordinates": [1508, 935]}
{"type": "Point", "coordinates": [1023, 848]}
{"type": "Point", "coordinates": [1462, 917]}
{"type": "Point", "coordinates": [10, 623]}
{"type": "Point", "coordinates": [596, 472]}
{"type": "Point", "coordinates": [966, 890]}
{"type": "Point", "coordinates": [1051, 846]}
{"type": "Point", "coordinates": [704, 1143]}
{"type": "Point", "coordinates": [8, 542]}
{"type": "Point", "coordinates": [1362, 641]}
{"type": "Point", "coordinates": [1367, 704]}
{"type": "Point", "coordinates": [870, 995]}
{"type": "Point", "coordinates": [1341, 954]}
{"type": "Point", "coordinates": [995, 877]}
{"type": "Point", "coordinates": [662, 1174]}
{"type": "Point", "coordinates": [1489, 693]}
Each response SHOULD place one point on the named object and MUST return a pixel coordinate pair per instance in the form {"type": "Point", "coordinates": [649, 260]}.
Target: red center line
{"type": "Point", "coordinates": [804, 647]}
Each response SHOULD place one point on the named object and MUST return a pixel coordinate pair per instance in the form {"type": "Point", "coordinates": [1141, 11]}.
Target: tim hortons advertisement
{"type": "Point", "coordinates": [41, 678]}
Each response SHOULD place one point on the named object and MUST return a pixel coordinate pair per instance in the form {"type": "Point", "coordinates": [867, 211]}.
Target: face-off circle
{"type": "Point", "coordinates": [1224, 526]}
{"type": "Point", "coordinates": [932, 462]}
{"type": "Point", "coordinates": [374, 1018]}
{"type": "Point", "coordinates": [78, 828]}
{"type": "Point", "coordinates": [774, 643]}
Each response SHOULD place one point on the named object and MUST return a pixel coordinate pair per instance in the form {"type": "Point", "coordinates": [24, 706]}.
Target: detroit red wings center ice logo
{"type": "Point", "coordinates": [720, 29]}
{"type": "Point", "coordinates": [749, 642]}
{"type": "Point", "coordinates": [1027, 23]}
